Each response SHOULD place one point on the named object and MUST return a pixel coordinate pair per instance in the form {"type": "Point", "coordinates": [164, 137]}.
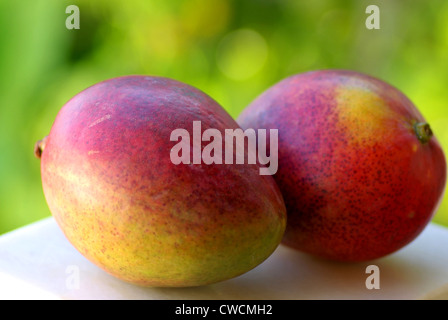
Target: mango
{"type": "Point", "coordinates": [360, 169]}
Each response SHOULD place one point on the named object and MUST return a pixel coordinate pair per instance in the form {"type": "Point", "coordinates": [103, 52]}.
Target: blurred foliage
{"type": "Point", "coordinates": [230, 49]}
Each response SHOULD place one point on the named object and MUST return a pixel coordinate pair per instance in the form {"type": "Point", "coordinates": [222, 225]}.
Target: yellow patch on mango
{"type": "Point", "coordinates": [363, 115]}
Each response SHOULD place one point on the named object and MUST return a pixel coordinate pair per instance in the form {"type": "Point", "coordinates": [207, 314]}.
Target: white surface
{"type": "Point", "coordinates": [37, 262]}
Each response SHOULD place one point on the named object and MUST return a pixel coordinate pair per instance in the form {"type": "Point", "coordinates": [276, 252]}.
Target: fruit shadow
{"type": "Point", "coordinates": [291, 275]}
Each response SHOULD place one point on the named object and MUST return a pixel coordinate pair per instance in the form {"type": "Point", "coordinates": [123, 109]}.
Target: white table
{"type": "Point", "coordinates": [37, 262]}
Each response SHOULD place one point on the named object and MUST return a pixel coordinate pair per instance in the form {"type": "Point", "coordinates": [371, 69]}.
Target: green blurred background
{"type": "Point", "coordinates": [231, 49]}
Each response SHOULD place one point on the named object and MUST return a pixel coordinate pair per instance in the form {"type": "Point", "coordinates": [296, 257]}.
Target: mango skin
{"type": "Point", "coordinates": [357, 182]}
{"type": "Point", "coordinates": [112, 188]}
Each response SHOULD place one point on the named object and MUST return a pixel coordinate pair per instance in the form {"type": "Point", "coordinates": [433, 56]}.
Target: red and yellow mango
{"type": "Point", "coordinates": [112, 188]}
{"type": "Point", "coordinates": [359, 168]}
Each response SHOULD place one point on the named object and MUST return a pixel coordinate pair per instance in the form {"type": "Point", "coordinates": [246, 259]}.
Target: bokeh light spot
{"type": "Point", "coordinates": [241, 54]}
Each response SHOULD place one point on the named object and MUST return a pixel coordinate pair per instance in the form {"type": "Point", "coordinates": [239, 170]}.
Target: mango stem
{"type": "Point", "coordinates": [423, 131]}
{"type": "Point", "coordinates": [39, 147]}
